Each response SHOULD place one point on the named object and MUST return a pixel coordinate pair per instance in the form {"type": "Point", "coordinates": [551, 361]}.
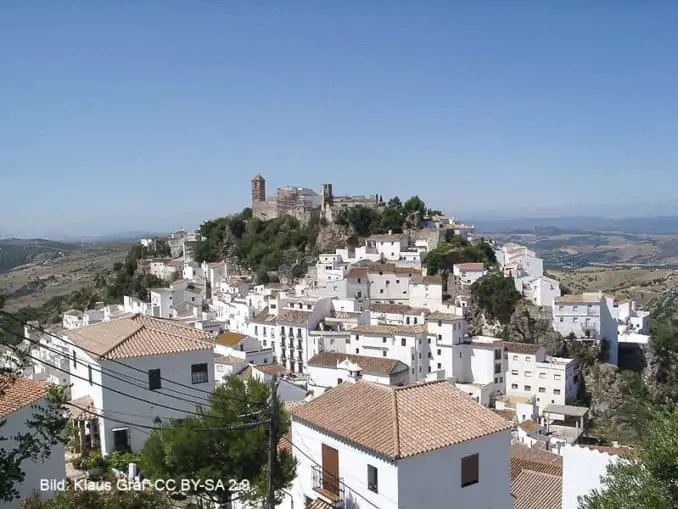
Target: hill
{"type": "Point", "coordinates": [577, 249]}
{"type": "Point", "coordinates": [660, 225]}
{"type": "Point", "coordinates": [35, 270]}
{"type": "Point", "coordinates": [17, 252]}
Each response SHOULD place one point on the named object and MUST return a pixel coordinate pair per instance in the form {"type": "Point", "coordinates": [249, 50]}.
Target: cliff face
{"type": "Point", "coordinates": [528, 324]}
{"type": "Point", "coordinates": [332, 237]}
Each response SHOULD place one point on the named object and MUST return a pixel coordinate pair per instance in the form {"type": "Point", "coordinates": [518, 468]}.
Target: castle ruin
{"type": "Point", "coordinates": [301, 202]}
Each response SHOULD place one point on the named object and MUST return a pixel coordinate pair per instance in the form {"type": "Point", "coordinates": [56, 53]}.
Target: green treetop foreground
{"type": "Point", "coordinates": [651, 480]}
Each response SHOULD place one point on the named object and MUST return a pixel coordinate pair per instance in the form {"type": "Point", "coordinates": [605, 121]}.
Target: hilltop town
{"type": "Point", "coordinates": [426, 346]}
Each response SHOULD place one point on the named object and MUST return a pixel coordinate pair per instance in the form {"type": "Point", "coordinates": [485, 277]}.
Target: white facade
{"type": "Point", "coordinates": [583, 468]}
{"type": "Point", "coordinates": [588, 316]}
{"type": "Point", "coordinates": [53, 467]}
{"type": "Point", "coordinates": [468, 273]}
{"type": "Point", "coordinates": [532, 374]}
{"type": "Point", "coordinates": [542, 291]}
{"type": "Point", "coordinates": [426, 481]}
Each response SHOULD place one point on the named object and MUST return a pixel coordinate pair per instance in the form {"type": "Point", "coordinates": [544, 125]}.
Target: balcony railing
{"type": "Point", "coordinates": [327, 485]}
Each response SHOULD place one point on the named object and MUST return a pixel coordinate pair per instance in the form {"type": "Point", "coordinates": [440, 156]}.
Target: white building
{"type": "Point", "coordinates": [542, 291]}
{"type": "Point", "coordinates": [19, 402]}
{"type": "Point", "coordinates": [531, 373]}
{"type": "Point", "coordinates": [148, 358]}
{"type": "Point", "coordinates": [426, 292]}
{"type": "Point", "coordinates": [588, 316]}
{"type": "Point", "coordinates": [165, 269]}
{"type": "Point", "coordinates": [583, 469]}
{"type": "Point", "coordinates": [468, 273]}
{"type": "Point", "coordinates": [329, 369]}
{"type": "Point", "coordinates": [482, 373]}
{"type": "Point", "coordinates": [247, 348]}
{"type": "Point", "coordinates": [422, 446]}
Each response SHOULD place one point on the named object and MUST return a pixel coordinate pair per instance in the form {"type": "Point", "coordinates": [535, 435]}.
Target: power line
{"type": "Point", "coordinates": [272, 445]}
{"type": "Point", "coordinates": [115, 361]}
{"type": "Point", "coordinates": [236, 427]}
{"type": "Point", "coordinates": [102, 370]}
{"type": "Point", "coordinates": [14, 349]}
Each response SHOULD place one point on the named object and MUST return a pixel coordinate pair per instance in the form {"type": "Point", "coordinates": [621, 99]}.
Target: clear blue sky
{"type": "Point", "coordinates": [155, 115]}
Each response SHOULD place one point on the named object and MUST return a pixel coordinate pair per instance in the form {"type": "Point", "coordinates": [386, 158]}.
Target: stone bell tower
{"type": "Point", "coordinates": [258, 190]}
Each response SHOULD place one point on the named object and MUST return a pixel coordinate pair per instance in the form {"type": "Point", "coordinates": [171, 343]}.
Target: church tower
{"type": "Point", "coordinates": [258, 190]}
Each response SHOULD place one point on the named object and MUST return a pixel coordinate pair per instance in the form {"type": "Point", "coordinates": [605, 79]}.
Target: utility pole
{"type": "Point", "coordinates": [272, 443]}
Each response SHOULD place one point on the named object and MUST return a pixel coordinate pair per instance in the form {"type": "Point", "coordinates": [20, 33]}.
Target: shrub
{"type": "Point", "coordinates": [120, 460]}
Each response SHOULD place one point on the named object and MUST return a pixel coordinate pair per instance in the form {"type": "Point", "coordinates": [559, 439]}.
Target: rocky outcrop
{"type": "Point", "coordinates": [332, 237]}
{"type": "Point", "coordinates": [529, 324]}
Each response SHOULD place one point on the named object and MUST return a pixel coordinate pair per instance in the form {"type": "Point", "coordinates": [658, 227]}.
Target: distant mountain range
{"type": "Point", "coordinates": [666, 225]}
{"type": "Point", "coordinates": [124, 237]}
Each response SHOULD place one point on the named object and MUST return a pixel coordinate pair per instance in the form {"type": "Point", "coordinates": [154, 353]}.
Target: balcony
{"type": "Point", "coordinates": [300, 345]}
{"type": "Point", "coordinates": [282, 343]}
{"type": "Point", "coordinates": [327, 486]}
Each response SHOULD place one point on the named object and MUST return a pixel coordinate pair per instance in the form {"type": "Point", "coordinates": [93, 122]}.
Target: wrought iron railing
{"type": "Point", "coordinates": [328, 484]}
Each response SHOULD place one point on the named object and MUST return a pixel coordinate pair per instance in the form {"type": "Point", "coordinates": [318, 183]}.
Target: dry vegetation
{"type": "Point", "coordinates": [34, 284]}
{"type": "Point", "coordinates": [644, 286]}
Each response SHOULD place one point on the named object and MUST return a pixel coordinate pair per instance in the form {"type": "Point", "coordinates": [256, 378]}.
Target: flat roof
{"type": "Point", "coordinates": [569, 410]}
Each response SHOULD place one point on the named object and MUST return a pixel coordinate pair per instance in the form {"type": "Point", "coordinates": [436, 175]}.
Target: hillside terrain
{"type": "Point", "coordinates": [34, 271]}
{"type": "Point", "coordinates": [578, 249]}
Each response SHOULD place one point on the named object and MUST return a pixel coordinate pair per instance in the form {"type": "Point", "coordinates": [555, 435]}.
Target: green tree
{"type": "Point", "coordinates": [204, 447]}
{"type": "Point", "coordinates": [43, 430]}
{"type": "Point", "coordinates": [650, 481]}
{"type": "Point", "coordinates": [496, 295]}
{"type": "Point", "coordinates": [113, 499]}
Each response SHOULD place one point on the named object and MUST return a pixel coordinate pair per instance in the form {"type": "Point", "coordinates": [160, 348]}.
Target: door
{"type": "Point", "coordinates": [330, 469]}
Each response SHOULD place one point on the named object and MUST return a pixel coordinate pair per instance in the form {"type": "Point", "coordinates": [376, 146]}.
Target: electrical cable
{"type": "Point", "coordinates": [237, 427]}
{"type": "Point", "coordinates": [14, 349]}
{"type": "Point", "coordinates": [115, 361]}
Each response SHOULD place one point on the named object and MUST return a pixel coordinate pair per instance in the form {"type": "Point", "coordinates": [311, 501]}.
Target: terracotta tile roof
{"type": "Point", "coordinates": [229, 338]}
{"type": "Point", "coordinates": [445, 317]}
{"type": "Point", "coordinates": [399, 422]}
{"type": "Point", "coordinates": [245, 373]}
{"type": "Point", "coordinates": [82, 409]}
{"type": "Point", "coordinates": [356, 273]}
{"type": "Point", "coordinates": [397, 308]}
{"type": "Point", "coordinates": [538, 460]}
{"type": "Point", "coordinates": [139, 336]}
{"type": "Point", "coordinates": [285, 443]}
{"type": "Point", "coordinates": [19, 392]}
{"type": "Point", "coordinates": [486, 344]}
{"type": "Point", "coordinates": [537, 490]}
{"type": "Point", "coordinates": [293, 316]}
{"type": "Point", "coordinates": [264, 317]}
{"type": "Point", "coordinates": [616, 451]}
{"type": "Point", "coordinates": [470, 267]}
{"type": "Point", "coordinates": [369, 365]}
{"type": "Point", "coordinates": [228, 359]}
{"type": "Point", "coordinates": [389, 329]}
{"type": "Point", "coordinates": [386, 236]}
{"type": "Point", "coordinates": [426, 280]}
{"type": "Point", "coordinates": [529, 426]}
{"type": "Point", "coordinates": [270, 369]}
{"type": "Point", "coordinates": [521, 348]}
{"type": "Point", "coordinates": [509, 415]}
{"type": "Point", "coordinates": [577, 299]}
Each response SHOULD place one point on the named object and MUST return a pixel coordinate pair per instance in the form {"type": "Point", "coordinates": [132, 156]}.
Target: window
{"type": "Point", "coordinates": [497, 369]}
{"type": "Point", "coordinates": [440, 323]}
{"type": "Point", "coordinates": [89, 374]}
{"type": "Point", "coordinates": [557, 377]}
{"type": "Point", "coordinates": [381, 290]}
{"type": "Point", "coordinates": [528, 388]}
{"type": "Point", "coordinates": [384, 353]}
{"type": "Point", "coordinates": [440, 351]}
{"type": "Point", "coordinates": [339, 380]}
{"type": "Point", "coordinates": [528, 373]}
{"type": "Point", "coordinates": [403, 341]}
{"type": "Point", "coordinates": [528, 358]}
{"type": "Point", "coordinates": [154, 379]}
{"type": "Point", "coordinates": [199, 374]}
{"type": "Point", "coordinates": [470, 466]}
{"type": "Point", "coordinates": [429, 369]}
{"type": "Point", "coordinates": [383, 340]}
{"type": "Point", "coordinates": [542, 389]}
{"type": "Point", "coordinates": [75, 362]}
{"type": "Point", "coordinates": [514, 386]}
{"type": "Point", "coordinates": [542, 374]}
{"type": "Point", "coordinates": [497, 355]}
{"type": "Point", "coordinates": [514, 372]}
{"type": "Point", "coordinates": [515, 357]}
{"type": "Point", "coordinates": [440, 366]}
{"type": "Point", "coordinates": [429, 341]}
{"type": "Point", "coordinates": [357, 351]}
{"type": "Point", "coordinates": [556, 392]}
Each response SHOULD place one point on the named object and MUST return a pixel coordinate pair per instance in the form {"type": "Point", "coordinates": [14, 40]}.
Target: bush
{"type": "Point", "coordinates": [120, 460]}
{"type": "Point", "coordinates": [93, 461]}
